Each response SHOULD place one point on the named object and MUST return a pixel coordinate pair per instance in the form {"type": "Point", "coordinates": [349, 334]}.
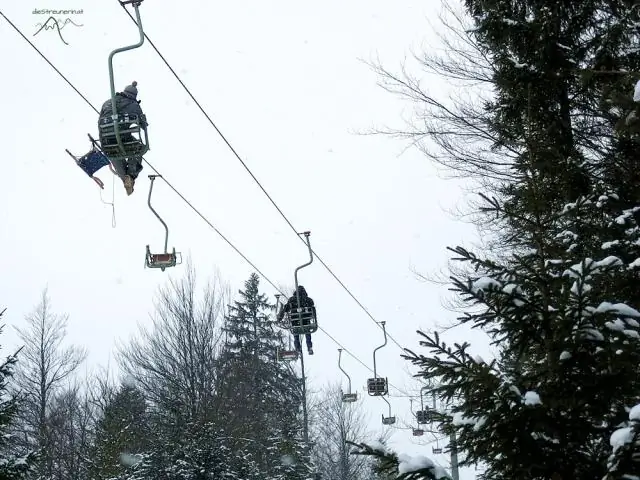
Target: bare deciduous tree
{"type": "Point", "coordinates": [333, 424]}
{"type": "Point", "coordinates": [174, 361]}
{"type": "Point", "coordinates": [71, 423]}
{"type": "Point", "coordinates": [45, 368]}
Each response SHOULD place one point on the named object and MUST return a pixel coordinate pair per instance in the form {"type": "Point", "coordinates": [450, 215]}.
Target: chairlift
{"type": "Point", "coordinates": [348, 397]}
{"type": "Point", "coordinates": [302, 320]}
{"type": "Point", "coordinates": [437, 449]}
{"type": "Point", "coordinates": [390, 420]}
{"type": "Point", "coordinates": [423, 416]}
{"type": "Point", "coordinates": [285, 354]}
{"type": "Point", "coordinates": [417, 432]}
{"type": "Point", "coordinates": [378, 386]}
{"type": "Point", "coordinates": [133, 128]}
{"type": "Point", "coordinates": [166, 259]}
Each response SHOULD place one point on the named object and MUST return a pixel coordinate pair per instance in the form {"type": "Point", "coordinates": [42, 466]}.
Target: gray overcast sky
{"type": "Point", "coordinates": [285, 83]}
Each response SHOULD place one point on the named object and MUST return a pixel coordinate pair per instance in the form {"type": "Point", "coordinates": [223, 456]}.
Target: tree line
{"type": "Point", "coordinates": [198, 395]}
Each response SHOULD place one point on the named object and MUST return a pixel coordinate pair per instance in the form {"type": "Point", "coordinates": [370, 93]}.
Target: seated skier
{"type": "Point", "coordinates": [291, 305]}
{"type": "Point", "coordinates": [126, 104]}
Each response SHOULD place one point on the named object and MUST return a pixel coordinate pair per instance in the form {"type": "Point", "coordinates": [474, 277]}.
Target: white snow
{"type": "Point", "coordinates": [593, 334]}
{"type": "Point", "coordinates": [459, 420]}
{"type": "Point", "coordinates": [634, 414]}
{"type": "Point", "coordinates": [408, 464]}
{"type": "Point", "coordinates": [377, 445]}
{"type": "Point", "coordinates": [635, 264]}
{"type": "Point", "coordinates": [545, 437]}
{"type": "Point", "coordinates": [610, 260]}
{"type": "Point", "coordinates": [621, 437]}
{"type": "Point", "coordinates": [617, 325]}
{"type": "Point", "coordinates": [631, 322]}
{"type": "Point", "coordinates": [480, 423]}
{"type": "Point", "coordinates": [565, 355]}
{"type": "Point", "coordinates": [478, 359]}
{"type": "Point", "coordinates": [636, 92]}
{"type": "Point", "coordinates": [484, 283]}
{"type": "Point", "coordinates": [531, 398]}
{"type": "Point", "coordinates": [619, 308]}
{"type": "Point", "coordinates": [129, 460]}
{"type": "Point", "coordinates": [608, 245]}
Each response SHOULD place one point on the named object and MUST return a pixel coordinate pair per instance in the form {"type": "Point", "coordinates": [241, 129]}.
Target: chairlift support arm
{"type": "Point", "coordinates": [375, 374]}
{"type": "Point", "coordinates": [114, 112]}
{"type": "Point", "coordinates": [295, 274]}
{"type": "Point", "coordinates": [422, 397]}
{"type": "Point", "coordinates": [166, 228]}
{"type": "Point", "coordinates": [387, 401]}
{"type": "Point", "coordinates": [340, 367]}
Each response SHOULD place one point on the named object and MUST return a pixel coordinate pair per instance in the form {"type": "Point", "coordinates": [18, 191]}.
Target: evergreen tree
{"type": "Point", "coordinates": [14, 465]}
{"type": "Point", "coordinates": [122, 432]}
{"type": "Point", "coordinates": [260, 397]}
{"type": "Point", "coordinates": [562, 306]}
{"type": "Point", "coordinates": [199, 453]}
{"type": "Point", "coordinates": [624, 462]}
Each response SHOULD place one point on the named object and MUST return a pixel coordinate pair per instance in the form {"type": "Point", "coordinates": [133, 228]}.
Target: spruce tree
{"type": "Point", "coordinates": [261, 397]}
{"type": "Point", "coordinates": [560, 299]}
{"type": "Point", "coordinates": [200, 452]}
{"type": "Point", "coordinates": [121, 434]}
{"type": "Point", "coordinates": [14, 464]}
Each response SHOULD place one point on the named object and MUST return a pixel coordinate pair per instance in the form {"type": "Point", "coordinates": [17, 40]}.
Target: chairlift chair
{"type": "Point", "coordinates": [417, 432]}
{"type": "Point", "coordinates": [122, 135]}
{"type": "Point", "coordinates": [390, 420]}
{"type": "Point", "coordinates": [287, 355]}
{"type": "Point", "coordinates": [348, 397]}
{"type": "Point", "coordinates": [423, 417]}
{"type": "Point", "coordinates": [112, 130]}
{"type": "Point", "coordinates": [165, 259]}
{"type": "Point", "coordinates": [302, 321]}
{"type": "Point", "coordinates": [378, 386]}
{"type": "Point", "coordinates": [437, 449]}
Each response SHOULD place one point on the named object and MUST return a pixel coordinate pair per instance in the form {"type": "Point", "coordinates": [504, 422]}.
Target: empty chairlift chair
{"type": "Point", "coordinates": [348, 397]}
{"type": "Point", "coordinates": [165, 259]}
{"type": "Point", "coordinates": [378, 386]}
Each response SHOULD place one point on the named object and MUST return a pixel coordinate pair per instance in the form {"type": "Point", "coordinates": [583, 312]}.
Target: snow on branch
{"type": "Point", "coordinates": [402, 466]}
{"type": "Point", "coordinates": [624, 462]}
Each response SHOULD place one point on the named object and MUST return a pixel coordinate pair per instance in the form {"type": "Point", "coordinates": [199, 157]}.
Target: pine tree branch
{"type": "Point", "coordinates": [402, 467]}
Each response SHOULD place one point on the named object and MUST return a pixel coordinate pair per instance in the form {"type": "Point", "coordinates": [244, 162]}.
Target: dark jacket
{"type": "Point", "coordinates": [125, 104]}
{"type": "Point", "coordinates": [292, 303]}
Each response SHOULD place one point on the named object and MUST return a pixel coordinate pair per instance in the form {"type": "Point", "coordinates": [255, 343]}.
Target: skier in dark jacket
{"type": "Point", "coordinates": [291, 305]}
{"type": "Point", "coordinates": [126, 104]}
